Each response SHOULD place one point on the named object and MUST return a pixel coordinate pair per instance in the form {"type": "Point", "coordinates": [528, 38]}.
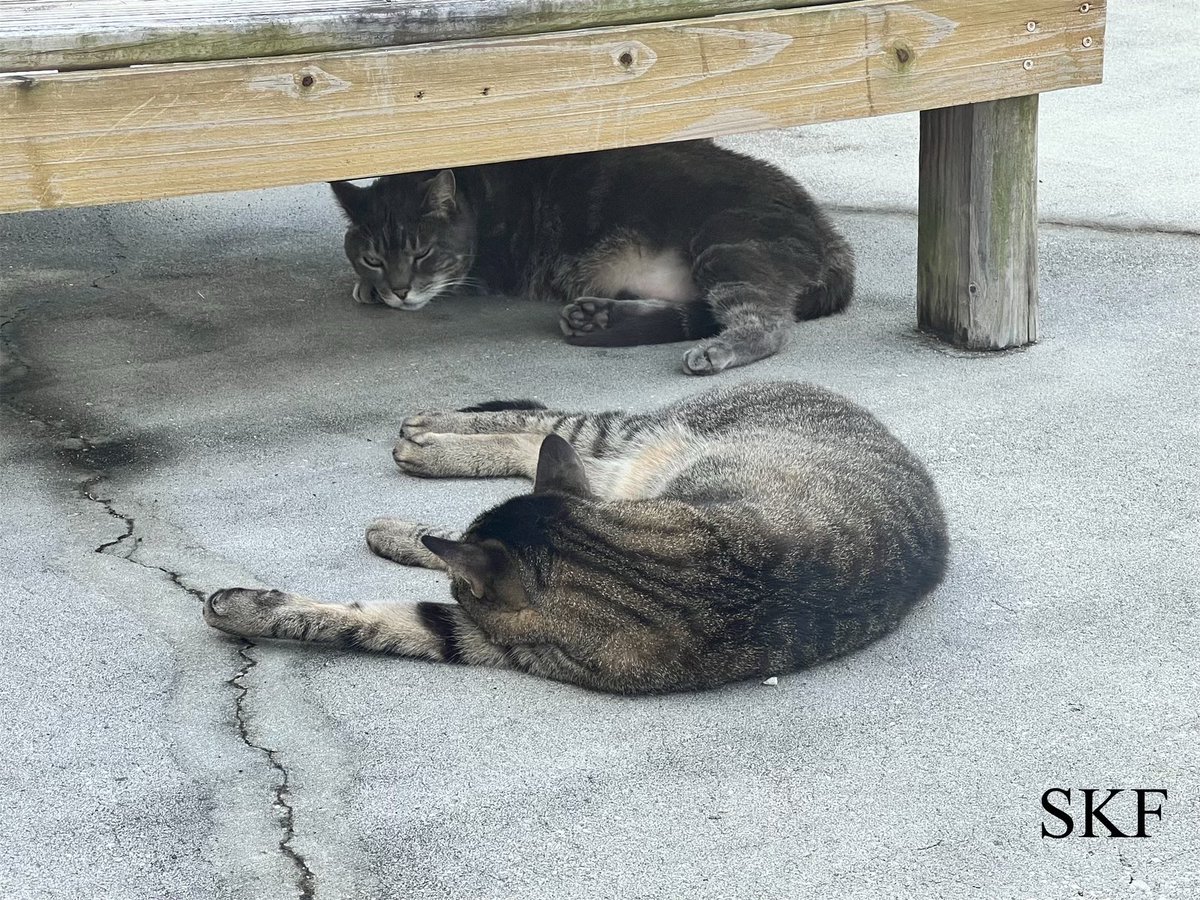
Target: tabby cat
{"type": "Point", "coordinates": [646, 245]}
{"type": "Point", "coordinates": [737, 534]}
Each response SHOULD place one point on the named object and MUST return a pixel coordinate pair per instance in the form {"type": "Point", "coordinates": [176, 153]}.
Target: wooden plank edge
{"type": "Point", "coordinates": [87, 44]}
{"type": "Point", "coordinates": [38, 172]}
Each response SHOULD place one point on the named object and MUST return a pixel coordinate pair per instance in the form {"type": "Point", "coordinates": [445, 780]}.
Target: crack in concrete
{"type": "Point", "coordinates": [125, 547]}
{"type": "Point", "coordinates": [306, 881]}
{"type": "Point", "coordinates": [12, 366]}
{"type": "Point", "coordinates": [108, 547]}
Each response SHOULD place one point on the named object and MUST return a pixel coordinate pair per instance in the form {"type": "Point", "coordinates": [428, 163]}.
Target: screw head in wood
{"type": "Point", "coordinates": [1027, 65]}
{"type": "Point", "coordinates": [1085, 7]}
{"type": "Point", "coordinates": [1087, 42]}
{"type": "Point", "coordinates": [1031, 26]}
{"type": "Point", "coordinates": [308, 81]}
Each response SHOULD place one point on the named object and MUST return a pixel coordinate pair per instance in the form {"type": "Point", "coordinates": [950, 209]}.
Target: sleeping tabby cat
{"type": "Point", "coordinates": [646, 245]}
{"type": "Point", "coordinates": [737, 534]}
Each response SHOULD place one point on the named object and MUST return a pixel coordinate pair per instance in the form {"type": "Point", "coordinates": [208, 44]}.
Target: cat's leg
{"type": "Point", "coordinates": [601, 322]}
{"type": "Point", "coordinates": [437, 632]}
{"type": "Point", "coordinates": [440, 632]}
{"type": "Point", "coordinates": [755, 325]}
{"type": "Point", "coordinates": [504, 443]}
{"type": "Point", "coordinates": [400, 542]}
{"type": "Point", "coordinates": [436, 454]}
{"type": "Point", "coordinates": [752, 287]}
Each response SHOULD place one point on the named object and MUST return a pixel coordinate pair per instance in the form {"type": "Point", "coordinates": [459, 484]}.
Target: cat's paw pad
{"type": "Point", "coordinates": [585, 315]}
{"type": "Point", "coordinates": [245, 611]}
{"type": "Point", "coordinates": [707, 359]}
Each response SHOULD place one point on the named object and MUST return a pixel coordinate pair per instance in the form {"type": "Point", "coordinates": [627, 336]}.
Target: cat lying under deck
{"type": "Point", "coordinates": [646, 245]}
{"type": "Point", "coordinates": [741, 533]}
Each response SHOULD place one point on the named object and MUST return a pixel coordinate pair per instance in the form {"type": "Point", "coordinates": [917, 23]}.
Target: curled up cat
{"type": "Point", "coordinates": [741, 533]}
{"type": "Point", "coordinates": [673, 242]}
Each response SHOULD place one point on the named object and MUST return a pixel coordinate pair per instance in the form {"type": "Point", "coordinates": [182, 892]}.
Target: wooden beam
{"type": "Point", "coordinates": [977, 273]}
{"type": "Point", "coordinates": [72, 139]}
{"type": "Point", "coordinates": [68, 34]}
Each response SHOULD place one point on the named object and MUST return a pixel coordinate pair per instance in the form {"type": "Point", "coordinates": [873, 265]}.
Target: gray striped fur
{"type": "Point", "coordinates": [741, 533]}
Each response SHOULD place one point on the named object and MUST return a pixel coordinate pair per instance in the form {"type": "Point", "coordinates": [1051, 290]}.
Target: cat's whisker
{"type": "Point", "coordinates": [470, 283]}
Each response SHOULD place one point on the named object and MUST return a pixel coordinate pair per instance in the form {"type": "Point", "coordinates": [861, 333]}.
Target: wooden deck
{"type": "Point", "coordinates": [107, 101]}
{"type": "Point", "coordinates": [91, 136]}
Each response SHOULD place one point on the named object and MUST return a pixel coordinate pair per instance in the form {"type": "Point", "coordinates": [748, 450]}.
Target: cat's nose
{"type": "Point", "coordinates": [401, 292]}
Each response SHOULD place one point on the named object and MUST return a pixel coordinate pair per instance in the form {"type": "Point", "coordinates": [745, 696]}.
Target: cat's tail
{"type": "Point", "coordinates": [502, 406]}
{"type": "Point", "coordinates": [833, 292]}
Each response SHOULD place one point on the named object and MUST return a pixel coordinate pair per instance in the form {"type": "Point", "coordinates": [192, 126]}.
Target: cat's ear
{"type": "Point", "coordinates": [559, 468]}
{"type": "Point", "coordinates": [353, 199]}
{"type": "Point", "coordinates": [477, 564]}
{"type": "Point", "coordinates": [440, 193]}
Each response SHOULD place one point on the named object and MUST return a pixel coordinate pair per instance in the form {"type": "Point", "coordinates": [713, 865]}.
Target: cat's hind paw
{"type": "Point", "coordinates": [707, 359]}
{"type": "Point", "coordinates": [585, 315]}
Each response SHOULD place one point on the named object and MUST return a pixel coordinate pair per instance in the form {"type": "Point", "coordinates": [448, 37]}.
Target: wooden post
{"type": "Point", "coordinates": [977, 272]}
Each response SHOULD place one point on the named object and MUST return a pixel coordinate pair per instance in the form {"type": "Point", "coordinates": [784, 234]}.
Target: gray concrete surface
{"type": "Point", "coordinates": [191, 399]}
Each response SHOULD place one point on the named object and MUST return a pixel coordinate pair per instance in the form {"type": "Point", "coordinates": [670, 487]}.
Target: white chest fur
{"type": "Point", "coordinates": [649, 274]}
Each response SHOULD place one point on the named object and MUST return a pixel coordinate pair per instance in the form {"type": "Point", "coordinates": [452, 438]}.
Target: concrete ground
{"type": "Point", "coordinates": [191, 399]}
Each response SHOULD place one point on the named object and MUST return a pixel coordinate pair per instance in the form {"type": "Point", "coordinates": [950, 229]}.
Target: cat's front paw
{"type": "Point", "coordinates": [431, 454]}
{"type": "Point", "coordinates": [400, 542]}
{"type": "Point", "coordinates": [250, 612]}
{"type": "Point", "coordinates": [414, 452]}
{"type": "Point", "coordinates": [585, 315]}
{"type": "Point", "coordinates": [365, 294]}
{"type": "Point", "coordinates": [707, 359]}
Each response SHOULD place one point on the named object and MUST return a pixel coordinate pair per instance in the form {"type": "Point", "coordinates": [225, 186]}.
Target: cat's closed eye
{"type": "Point", "coordinates": [371, 262]}
{"type": "Point", "coordinates": [421, 254]}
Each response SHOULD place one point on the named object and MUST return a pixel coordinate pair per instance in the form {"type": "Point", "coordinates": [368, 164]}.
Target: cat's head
{"type": "Point", "coordinates": [410, 237]}
{"type": "Point", "coordinates": [507, 558]}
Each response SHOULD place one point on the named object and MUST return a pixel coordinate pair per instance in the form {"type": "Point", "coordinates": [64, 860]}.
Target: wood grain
{"type": "Point", "coordinates": [977, 264]}
{"type": "Point", "coordinates": [94, 34]}
{"type": "Point", "coordinates": [72, 139]}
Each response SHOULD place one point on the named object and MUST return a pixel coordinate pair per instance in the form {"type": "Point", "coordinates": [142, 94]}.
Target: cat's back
{"type": "Point", "coordinates": [842, 520]}
{"type": "Point", "coordinates": [694, 180]}
{"type": "Point", "coordinates": [796, 526]}
{"type": "Point", "coordinates": [797, 451]}
{"type": "Point", "coordinates": [794, 417]}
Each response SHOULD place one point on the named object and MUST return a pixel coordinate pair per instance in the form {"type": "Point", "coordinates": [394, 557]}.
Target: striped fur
{"type": "Point", "coordinates": [738, 534]}
{"type": "Point", "coordinates": [644, 245]}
